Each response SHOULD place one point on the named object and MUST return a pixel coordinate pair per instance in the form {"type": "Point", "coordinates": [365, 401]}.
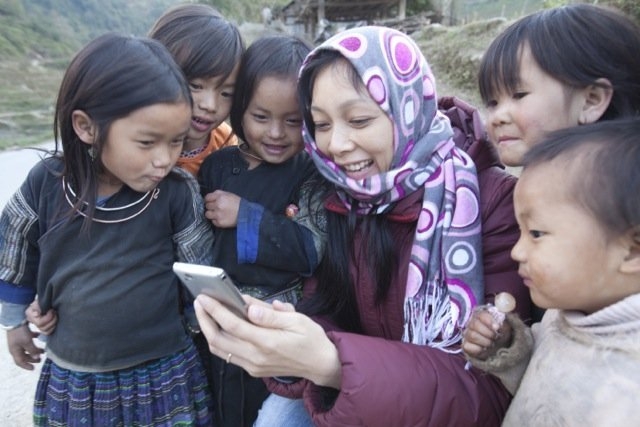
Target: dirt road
{"type": "Point", "coordinates": [17, 388]}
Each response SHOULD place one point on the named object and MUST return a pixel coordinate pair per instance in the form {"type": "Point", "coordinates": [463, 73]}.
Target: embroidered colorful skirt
{"type": "Point", "coordinates": [171, 391]}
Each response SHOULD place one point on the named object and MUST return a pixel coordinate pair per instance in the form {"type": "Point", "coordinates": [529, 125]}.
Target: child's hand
{"type": "Point", "coordinates": [46, 323]}
{"type": "Point", "coordinates": [222, 208]}
{"type": "Point", "coordinates": [483, 336]}
{"type": "Point", "coordinates": [22, 348]}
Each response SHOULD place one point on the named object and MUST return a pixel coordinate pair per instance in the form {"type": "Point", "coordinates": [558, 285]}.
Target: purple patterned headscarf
{"type": "Point", "coordinates": [445, 279]}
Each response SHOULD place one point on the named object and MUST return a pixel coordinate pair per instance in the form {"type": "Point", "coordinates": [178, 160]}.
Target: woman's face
{"type": "Point", "coordinates": [350, 127]}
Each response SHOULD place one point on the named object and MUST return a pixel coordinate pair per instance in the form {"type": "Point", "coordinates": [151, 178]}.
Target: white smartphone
{"type": "Point", "coordinates": [211, 281]}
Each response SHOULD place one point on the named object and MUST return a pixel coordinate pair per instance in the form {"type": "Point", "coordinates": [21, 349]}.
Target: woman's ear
{"type": "Point", "coordinates": [597, 99]}
{"type": "Point", "coordinates": [83, 126]}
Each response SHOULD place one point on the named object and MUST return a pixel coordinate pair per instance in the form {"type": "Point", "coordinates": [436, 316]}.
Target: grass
{"type": "Point", "coordinates": [454, 54]}
{"type": "Point", "coordinates": [28, 87]}
{"type": "Point", "coordinates": [27, 96]}
{"type": "Point", "coordinates": [474, 10]}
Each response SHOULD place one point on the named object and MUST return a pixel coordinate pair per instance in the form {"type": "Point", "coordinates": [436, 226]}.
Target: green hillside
{"type": "Point", "coordinates": [55, 28]}
{"type": "Point", "coordinates": [38, 37]}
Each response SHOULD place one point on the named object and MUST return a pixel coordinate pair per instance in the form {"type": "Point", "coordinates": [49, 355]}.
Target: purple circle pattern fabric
{"type": "Point", "coordinates": [445, 279]}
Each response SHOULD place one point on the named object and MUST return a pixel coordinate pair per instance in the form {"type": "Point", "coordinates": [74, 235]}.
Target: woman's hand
{"type": "Point", "coordinates": [222, 208]}
{"type": "Point", "coordinates": [46, 323]}
{"type": "Point", "coordinates": [276, 341]}
{"type": "Point", "coordinates": [483, 336]}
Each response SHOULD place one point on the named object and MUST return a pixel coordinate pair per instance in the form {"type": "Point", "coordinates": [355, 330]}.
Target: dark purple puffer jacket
{"type": "Point", "coordinates": [386, 382]}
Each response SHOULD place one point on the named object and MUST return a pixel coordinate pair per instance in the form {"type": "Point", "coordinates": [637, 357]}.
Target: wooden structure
{"type": "Point", "coordinates": [310, 16]}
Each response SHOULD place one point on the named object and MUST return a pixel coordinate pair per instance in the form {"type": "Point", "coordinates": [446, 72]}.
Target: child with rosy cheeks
{"type": "Point", "coordinates": [579, 252]}
{"type": "Point", "coordinates": [207, 47]}
{"type": "Point", "coordinates": [558, 68]}
{"type": "Point", "coordinates": [260, 198]}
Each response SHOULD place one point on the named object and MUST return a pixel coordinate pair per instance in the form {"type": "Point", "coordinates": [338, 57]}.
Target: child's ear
{"type": "Point", "coordinates": [597, 100]}
{"type": "Point", "coordinates": [83, 126]}
{"type": "Point", "coordinates": [631, 262]}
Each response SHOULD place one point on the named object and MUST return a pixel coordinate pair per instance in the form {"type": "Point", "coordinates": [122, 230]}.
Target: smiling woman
{"type": "Point", "coordinates": [349, 125]}
{"type": "Point", "coordinates": [405, 262]}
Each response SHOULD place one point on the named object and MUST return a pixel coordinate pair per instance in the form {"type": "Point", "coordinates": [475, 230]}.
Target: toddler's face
{"type": "Point", "coordinates": [541, 104]}
{"type": "Point", "coordinates": [272, 122]}
{"type": "Point", "coordinates": [566, 258]}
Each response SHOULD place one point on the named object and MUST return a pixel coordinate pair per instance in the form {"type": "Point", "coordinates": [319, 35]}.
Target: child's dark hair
{"type": "Point", "coordinates": [576, 45]}
{"type": "Point", "coordinates": [108, 79]}
{"type": "Point", "coordinates": [602, 160]}
{"type": "Point", "coordinates": [269, 56]}
{"type": "Point", "coordinates": [201, 40]}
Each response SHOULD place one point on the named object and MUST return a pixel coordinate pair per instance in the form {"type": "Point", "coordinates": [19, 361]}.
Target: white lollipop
{"type": "Point", "coordinates": [504, 303]}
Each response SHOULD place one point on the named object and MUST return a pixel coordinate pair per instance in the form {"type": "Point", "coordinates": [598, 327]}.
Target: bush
{"type": "Point", "coordinates": [630, 7]}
